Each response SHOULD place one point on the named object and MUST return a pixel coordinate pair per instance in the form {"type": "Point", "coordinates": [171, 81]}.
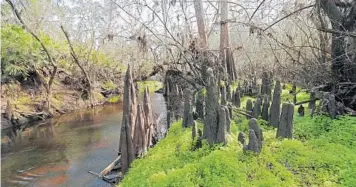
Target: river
{"type": "Point", "coordinates": [60, 151]}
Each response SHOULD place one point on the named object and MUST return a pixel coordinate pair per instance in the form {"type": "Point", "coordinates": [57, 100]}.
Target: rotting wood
{"type": "Point", "coordinates": [104, 178]}
{"type": "Point", "coordinates": [111, 166]}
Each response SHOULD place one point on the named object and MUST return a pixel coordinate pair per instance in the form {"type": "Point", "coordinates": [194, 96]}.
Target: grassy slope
{"type": "Point", "coordinates": [322, 153]}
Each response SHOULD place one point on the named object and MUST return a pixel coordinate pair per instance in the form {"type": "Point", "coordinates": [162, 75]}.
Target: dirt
{"type": "Point", "coordinates": [27, 100]}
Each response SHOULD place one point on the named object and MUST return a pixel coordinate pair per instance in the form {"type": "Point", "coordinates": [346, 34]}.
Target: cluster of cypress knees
{"type": "Point", "coordinates": [216, 106]}
{"type": "Point", "coordinates": [215, 109]}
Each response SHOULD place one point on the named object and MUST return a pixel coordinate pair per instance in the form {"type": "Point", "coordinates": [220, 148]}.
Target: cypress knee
{"type": "Point", "coordinates": [275, 106]}
{"type": "Point", "coordinates": [285, 128]}
{"type": "Point", "coordinates": [212, 107]}
{"type": "Point", "coordinates": [249, 107]}
{"type": "Point", "coordinates": [265, 108]}
{"type": "Point", "coordinates": [221, 136]}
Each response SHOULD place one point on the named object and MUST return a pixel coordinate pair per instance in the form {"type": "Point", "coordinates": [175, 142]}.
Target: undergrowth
{"type": "Point", "coordinates": [152, 85]}
{"type": "Point", "coordinates": [322, 153]}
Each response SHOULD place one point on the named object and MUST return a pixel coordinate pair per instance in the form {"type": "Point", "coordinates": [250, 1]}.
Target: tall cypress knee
{"type": "Point", "coordinates": [275, 106]}
{"type": "Point", "coordinates": [285, 128]}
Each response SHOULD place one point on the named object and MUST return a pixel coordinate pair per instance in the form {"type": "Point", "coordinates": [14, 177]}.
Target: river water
{"type": "Point", "coordinates": [60, 151]}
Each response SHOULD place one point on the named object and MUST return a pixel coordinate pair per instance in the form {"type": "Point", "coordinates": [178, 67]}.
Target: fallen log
{"type": "Point", "coordinates": [111, 166]}
{"type": "Point", "coordinates": [111, 181]}
{"type": "Point", "coordinates": [307, 101]}
{"type": "Point", "coordinates": [352, 112]}
{"type": "Point", "coordinates": [242, 112]}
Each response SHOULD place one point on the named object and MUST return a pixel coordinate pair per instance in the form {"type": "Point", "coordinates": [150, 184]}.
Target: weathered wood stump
{"type": "Point", "coordinates": [223, 95]}
{"type": "Point", "coordinates": [139, 138]}
{"type": "Point", "coordinates": [237, 99]}
{"type": "Point", "coordinates": [212, 106]}
{"type": "Point", "coordinates": [311, 104]}
{"type": "Point", "coordinates": [228, 111]}
{"type": "Point", "coordinates": [265, 108]}
{"type": "Point", "coordinates": [285, 128]}
{"type": "Point", "coordinates": [126, 147]}
{"type": "Point", "coordinates": [301, 111]}
{"type": "Point", "coordinates": [265, 83]}
{"type": "Point", "coordinates": [255, 137]}
{"type": "Point", "coordinates": [194, 131]}
{"type": "Point", "coordinates": [228, 93]}
{"type": "Point", "coordinates": [188, 113]}
{"type": "Point", "coordinates": [252, 123]}
{"type": "Point", "coordinates": [222, 131]}
{"type": "Point", "coordinates": [199, 104]}
{"type": "Point", "coordinates": [275, 106]}
{"type": "Point", "coordinates": [241, 138]}
{"type": "Point", "coordinates": [150, 128]}
{"type": "Point", "coordinates": [249, 107]}
{"type": "Point", "coordinates": [256, 111]}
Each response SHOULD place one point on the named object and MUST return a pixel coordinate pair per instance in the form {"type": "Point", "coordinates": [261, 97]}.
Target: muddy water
{"type": "Point", "coordinates": [60, 151]}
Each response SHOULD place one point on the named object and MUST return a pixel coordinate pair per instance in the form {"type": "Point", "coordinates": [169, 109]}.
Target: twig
{"type": "Point", "coordinates": [296, 11]}
{"type": "Point", "coordinates": [256, 10]}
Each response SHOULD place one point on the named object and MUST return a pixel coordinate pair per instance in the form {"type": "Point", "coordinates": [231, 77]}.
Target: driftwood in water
{"type": "Point", "coordinates": [111, 166]}
{"type": "Point", "coordinates": [111, 180]}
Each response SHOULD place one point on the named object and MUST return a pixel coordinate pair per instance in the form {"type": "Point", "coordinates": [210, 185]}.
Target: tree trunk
{"type": "Point", "coordinates": [338, 54]}
{"type": "Point", "coordinates": [48, 86]}
{"type": "Point", "coordinates": [76, 60]}
{"type": "Point", "coordinates": [198, 7]}
{"type": "Point", "coordinates": [225, 51]}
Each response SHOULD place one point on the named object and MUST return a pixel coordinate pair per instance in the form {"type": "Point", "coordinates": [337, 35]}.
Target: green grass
{"type": "Point", "coordinates": [322, 153]}
{"type": "Point", "coordinates": [152, 85]}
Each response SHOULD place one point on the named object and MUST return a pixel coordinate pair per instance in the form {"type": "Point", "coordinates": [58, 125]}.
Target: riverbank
{"type": "Point", "coordinates": [22, 105]}
{"type": "Point", "coordinates": [59, 151]}
{"type": "Point", "coordinates": [321, 154]}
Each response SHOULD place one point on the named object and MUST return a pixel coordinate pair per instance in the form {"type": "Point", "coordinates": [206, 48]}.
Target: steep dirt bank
{"type": "Point", "coordinates": [22, 101]}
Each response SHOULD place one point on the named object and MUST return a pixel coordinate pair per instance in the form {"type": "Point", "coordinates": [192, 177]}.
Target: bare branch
{"type": "Point", "coordinates": [288, 15]}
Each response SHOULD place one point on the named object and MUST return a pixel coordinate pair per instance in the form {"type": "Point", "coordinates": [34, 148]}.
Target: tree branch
{"type": "Point", "coordinates": [288, 15]}
{"type": "Point", "coordinates": [338, 32]}
{"type": "Point", "coordinates": [30, 31]}
{"type": "Point", "coordinates": [254, 12]}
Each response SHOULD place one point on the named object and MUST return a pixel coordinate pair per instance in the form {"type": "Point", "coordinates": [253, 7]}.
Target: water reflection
{"type": "Point", "coordinates": [60, 151]}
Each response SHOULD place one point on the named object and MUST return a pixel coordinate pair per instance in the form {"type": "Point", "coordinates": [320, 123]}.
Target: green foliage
{"type": "Point", "coordinates": [114, 99]}
{"type": "Point", "coordinates": [322, 154]}
{"type": "Point", "coordinates": [152, 85]}
{"type": "Point", "coordinates": [19, 51]}
{"type": "Point", "coordinates": [109, 85]}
